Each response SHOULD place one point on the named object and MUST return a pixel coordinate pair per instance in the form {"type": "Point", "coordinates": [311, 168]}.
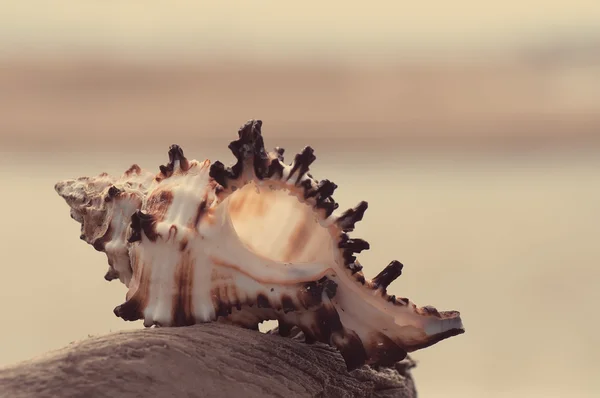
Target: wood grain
{"type": "Point", "coordinates": [208, 360]}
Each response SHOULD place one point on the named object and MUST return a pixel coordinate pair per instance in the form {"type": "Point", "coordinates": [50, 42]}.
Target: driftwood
{"type": "Point", "coordinates": [208, 360]}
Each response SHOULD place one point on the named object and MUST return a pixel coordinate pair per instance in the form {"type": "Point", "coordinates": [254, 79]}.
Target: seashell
{"type": "Point", "coordinates": [260, 240]}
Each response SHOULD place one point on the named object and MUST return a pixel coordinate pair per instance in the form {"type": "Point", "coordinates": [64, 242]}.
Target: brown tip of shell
{"type": "Point", "coordinates": [350, 217]}
{"type": "Point", "coordinates": [129, 311]}
{"type": "Point", "coordinates": [111, 274]}
{"type": "Point", "coordinates": [175, 154]}
{"type": "Point", "coordinates": [134, 169]}
{"type": "Point", "coordinates": [113, 192]}
{"type": "Point", "coordinates": [251, 130]}
{"type": "Point", "coordinates": [279, 151]}
{"type": "Point", "coordinates": [392, 271]}
{"type": "Point", "coordinates": [302, 162]}
{"type": "Point", "coordinates": [141, 221]}
{"type": "Point", "coordinates": [352, 246]}
{"type": "Point", "coordinates": [249, 145]}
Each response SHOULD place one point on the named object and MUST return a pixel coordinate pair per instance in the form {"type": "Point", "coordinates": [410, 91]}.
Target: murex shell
{"type": "Point", "coordinates": [261, 240]}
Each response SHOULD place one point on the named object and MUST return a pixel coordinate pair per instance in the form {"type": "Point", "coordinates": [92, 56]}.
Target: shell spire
{"type": "Point", "coordinates": [258, 240]}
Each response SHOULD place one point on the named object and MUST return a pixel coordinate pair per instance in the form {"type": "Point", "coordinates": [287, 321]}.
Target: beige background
{"type": "Point", "coordinates": [472, 130]}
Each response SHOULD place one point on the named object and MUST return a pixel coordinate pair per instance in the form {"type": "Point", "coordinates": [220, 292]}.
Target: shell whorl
{"type": "Point", "coordinates": [259, 240]}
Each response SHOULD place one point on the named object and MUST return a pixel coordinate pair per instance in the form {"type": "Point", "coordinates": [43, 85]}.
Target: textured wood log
{"type": "Point", "coordinates": [208, 360]}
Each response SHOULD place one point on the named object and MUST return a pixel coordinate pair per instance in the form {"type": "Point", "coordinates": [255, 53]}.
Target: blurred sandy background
{"type": "Point", "coordinates": [472, 129]}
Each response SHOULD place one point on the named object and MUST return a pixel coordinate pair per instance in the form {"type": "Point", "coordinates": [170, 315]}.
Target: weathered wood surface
{"type": "Point", "coordinates": [208, 360]}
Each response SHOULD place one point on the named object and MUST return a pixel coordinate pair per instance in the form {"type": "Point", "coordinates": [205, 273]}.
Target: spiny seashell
{"type": "Point", "coordinates": [261, 240]}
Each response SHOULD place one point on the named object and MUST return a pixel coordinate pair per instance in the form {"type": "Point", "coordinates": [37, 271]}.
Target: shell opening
{"type": "Point", "coordinates": [274, 223]}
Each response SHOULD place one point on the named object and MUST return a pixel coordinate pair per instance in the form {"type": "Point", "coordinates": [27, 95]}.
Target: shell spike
{"type": "Point", "coordinates": [141, 221]}
{"type": "Point", "coordinates": [350, 217]}
{"type": "Point", "coordinates": [176, 154]}
{"type": "Point", "coordinates": [355, 267]}
{"type": "Point", "coordinates": [322, 195]}
{"type": "Point", "coordinates": [351, 246]}
{"type": "Point", "coordinates": [324, 190]}
{"type": "Point", "coordinates": [129, 311]}
{"type": "Point", "coordinates": [249, 150]}
{"type": "Point", "coordinates": [111, 274]}
{"type": "Point", "coordinates": [220, 174]}
{"type": "Point", "coordinates": [112, 193]}
{"type": "Point", "coordinates": [250, 131]}
{"type": "Point", "coordinates": [176, 159]}
{"type": "Point", "coordinates": [392, 271]}
{"type": "Point", "coordinates": [301, 164]}
{"type": "Point", "coordinates": [250, 146]}
{"type": "Point", "coordinates": [279, 151]}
